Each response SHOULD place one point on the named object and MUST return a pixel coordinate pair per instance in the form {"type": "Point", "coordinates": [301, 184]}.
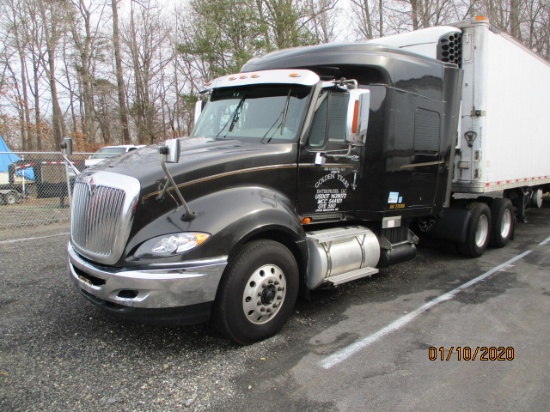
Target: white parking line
{"type": "Point", "coordinates": [2, 242]}
{"type": "Point", "coordinates": [545, 241]}
{"type": "Point", "coordinates": [352, 349]}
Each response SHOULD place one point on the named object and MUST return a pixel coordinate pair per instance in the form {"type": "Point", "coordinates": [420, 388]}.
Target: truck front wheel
{"type": "Point", "coordinates": [257, 293]}
{"type": "Point", "coordinates": [477, 232]}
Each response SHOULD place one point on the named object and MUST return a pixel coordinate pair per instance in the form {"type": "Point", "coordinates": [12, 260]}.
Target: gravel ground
{"type": "Point", "coordinates": [60, 353]}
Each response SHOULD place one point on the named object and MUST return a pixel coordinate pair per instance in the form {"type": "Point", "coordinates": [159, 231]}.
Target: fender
{"type": "Point", "coordinates": [240, 213]}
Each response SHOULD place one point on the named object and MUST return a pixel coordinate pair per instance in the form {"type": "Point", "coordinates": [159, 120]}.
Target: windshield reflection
{"type": "Point", "coordinates": [262, 113]}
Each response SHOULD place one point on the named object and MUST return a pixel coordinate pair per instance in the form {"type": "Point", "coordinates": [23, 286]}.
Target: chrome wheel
{"type": "Point", "coordinates": [482, 230]}
{"type": "Point", "coordinates": [506, 224]}
{"type": "Point", "coordinates": [264, 294]}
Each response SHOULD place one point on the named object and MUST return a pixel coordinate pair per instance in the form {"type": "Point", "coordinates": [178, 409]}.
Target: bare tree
{"type": "Point", "coordinates": [122, 102]}
{"type": "Point", "coordinates": [85, 27]}
{"type": "Point", "coordinates": [146, 38]}
{"type": "Point", "coordinates": [53, 18]}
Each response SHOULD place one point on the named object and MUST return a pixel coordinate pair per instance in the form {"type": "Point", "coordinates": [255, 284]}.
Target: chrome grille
{"type": "Point", "coordinates": [96, 217]}
{"type": "Point", "coordinates": [101, 215]}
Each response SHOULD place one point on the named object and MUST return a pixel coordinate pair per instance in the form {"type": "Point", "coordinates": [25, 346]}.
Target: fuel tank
{"type": "Point", "coordinates": [341, 254]}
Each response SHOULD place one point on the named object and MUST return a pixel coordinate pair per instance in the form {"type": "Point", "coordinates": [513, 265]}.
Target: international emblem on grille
{"type": "Point", "coordinates": [90, 184]}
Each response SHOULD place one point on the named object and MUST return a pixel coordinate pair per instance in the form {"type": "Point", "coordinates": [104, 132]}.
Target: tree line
{"type": "Point", "coordinates": [129, 71]}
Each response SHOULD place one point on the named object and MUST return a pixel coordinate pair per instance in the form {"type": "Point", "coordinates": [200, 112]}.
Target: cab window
{"type": "Point", "coordinates": [330, 119]}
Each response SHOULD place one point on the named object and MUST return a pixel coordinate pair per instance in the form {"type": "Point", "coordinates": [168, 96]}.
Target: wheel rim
{"type": "Point", "coordinates": [537, 198]}
{"type": "Point", "coordinates": [506, 224]}
{"type": "Point", "coordinates": [482, 230]}
{"type": "Point", "coordinates": [10, 199]}
{"type": "Point", "coordinates": [264, 294]}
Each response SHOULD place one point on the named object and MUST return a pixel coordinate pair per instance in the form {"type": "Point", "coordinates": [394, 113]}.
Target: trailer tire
{"type": "Point", "coordinates": [477, 232]}
{"type": "Point", "coordinates": [503, 222]}
{"type": "Point", "coordinates": [536, 198]}
{"type": "Point", "coordinates": [10, 198]}
{"type": "Point", "coordinates": [257, 293]}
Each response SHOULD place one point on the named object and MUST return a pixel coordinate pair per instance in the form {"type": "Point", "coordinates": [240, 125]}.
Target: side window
{"type": "Point", "coordinates": [330, 119]}
{"type": "Point", "coordinates": [318, 132]}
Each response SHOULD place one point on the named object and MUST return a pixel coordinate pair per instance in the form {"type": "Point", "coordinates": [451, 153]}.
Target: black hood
{"type": "Point", "coordinates": [200, 158]}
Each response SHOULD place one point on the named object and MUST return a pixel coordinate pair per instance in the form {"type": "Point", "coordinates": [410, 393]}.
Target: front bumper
{"type": "Point", "coordinates": [178, 285]}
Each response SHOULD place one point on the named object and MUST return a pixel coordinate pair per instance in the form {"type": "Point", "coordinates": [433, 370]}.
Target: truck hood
{"type": "Point", "coordinates": [201, 158]}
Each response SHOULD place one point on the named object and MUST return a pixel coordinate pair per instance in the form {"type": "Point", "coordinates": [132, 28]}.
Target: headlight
{"type": "Point", "coordinates": [170, 245]}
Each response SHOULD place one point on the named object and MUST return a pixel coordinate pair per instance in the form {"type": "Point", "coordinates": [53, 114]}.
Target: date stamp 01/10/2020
{"type": "Point", "coordinates": [467, 353]}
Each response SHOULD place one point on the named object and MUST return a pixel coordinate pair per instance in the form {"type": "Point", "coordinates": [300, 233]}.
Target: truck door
{"type": "Point", "coordinates": [326, 191]}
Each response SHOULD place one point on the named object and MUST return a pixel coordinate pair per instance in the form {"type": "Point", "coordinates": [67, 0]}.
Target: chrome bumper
{"type": "Point", "coordinates": [184, 284]}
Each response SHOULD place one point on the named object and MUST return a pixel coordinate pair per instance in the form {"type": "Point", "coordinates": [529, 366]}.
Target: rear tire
{"type": "Point", "coordinates": [257, 293]}
{"type": "Point", "coordinates": [478, 231]}
{"type": "Point", "coordinates": [536, 198]}
{"type": "Point", "coordinates": [10, 198]}
{"type": "Point", "coordinates": [503, 222]}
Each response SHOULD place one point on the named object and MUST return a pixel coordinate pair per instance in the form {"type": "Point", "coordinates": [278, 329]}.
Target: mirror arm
{"type": "Point", "coordinates": [188, 215]}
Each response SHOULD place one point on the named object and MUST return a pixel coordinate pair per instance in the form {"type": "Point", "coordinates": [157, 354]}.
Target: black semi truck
{"type": "Point", "coordinates": [309, 168]}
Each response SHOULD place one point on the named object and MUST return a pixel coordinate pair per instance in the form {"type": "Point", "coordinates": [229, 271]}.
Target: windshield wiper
{"type": "Point", "coordinates": [233, 118]}
{"type": "Point", "coordinates": [283, 121]}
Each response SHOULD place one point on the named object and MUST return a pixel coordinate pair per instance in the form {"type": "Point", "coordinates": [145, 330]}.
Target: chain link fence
{"type": "Point", "coordinates": [34, 191]}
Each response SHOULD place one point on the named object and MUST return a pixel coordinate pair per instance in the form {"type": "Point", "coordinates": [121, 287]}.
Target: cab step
{"type": "Point", "coordinates": [353, 275]}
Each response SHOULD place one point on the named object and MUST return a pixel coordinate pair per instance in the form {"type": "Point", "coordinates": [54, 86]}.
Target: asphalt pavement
{"type": "Point", "coordinates": [382, 343]}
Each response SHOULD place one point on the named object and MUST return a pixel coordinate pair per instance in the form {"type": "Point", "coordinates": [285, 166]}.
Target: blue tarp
{"type": "Point", "coordinates": [7, 157]}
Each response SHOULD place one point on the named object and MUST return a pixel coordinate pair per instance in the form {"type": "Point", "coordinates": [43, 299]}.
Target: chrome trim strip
{"type": "Point", "coordinates": [190, 283]}
{"type": "Point", "coordinates": [226, 174]}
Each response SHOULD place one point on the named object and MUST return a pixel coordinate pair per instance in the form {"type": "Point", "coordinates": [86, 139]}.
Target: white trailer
{"type": "Point", "coordinates": [505, 127]}
{"type": "Point", "coordinates": [504, 132]}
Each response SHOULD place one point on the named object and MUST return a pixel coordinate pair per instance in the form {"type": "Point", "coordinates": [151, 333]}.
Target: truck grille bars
{"type": "Point", "coordinates": [101, 215]}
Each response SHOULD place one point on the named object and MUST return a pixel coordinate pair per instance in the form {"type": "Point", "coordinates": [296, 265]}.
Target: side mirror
{"type": "Point", "coordinates": [358, 116]}
{"type": "Point", "coordinates": [171, 151]}
{"type": "Point", "coordinates": [67, 146]}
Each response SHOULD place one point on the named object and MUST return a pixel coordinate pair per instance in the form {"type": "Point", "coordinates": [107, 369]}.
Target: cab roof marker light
{"type": "Point", "coordinates": [255, 76]}
{"type": "Point", "coordinates": [480, 18]}
{"type": "Point", "coordinates": [243, 76]}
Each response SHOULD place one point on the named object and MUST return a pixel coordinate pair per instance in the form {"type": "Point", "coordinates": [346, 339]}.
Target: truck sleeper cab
{"type": "Point", "coordinates": [306, 169]}
{"type": "Point", "coordinates": [274, 183]}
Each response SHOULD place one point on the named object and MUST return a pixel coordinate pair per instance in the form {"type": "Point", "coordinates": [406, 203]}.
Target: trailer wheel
{"type": "Point", "coordinates": [257, 293]}
{"type": "Point", "coordinates": [10, 198]}
{"type": "Point", "coordinates": [503, 222]}
{"type": "Point", "coordinates": [477, 232]}
{"type": "Point", "coordinates": [536, 198]}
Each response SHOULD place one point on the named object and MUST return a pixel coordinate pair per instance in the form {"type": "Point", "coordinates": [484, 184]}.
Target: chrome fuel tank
{"type": "Point", "coordinates": [341, 254]}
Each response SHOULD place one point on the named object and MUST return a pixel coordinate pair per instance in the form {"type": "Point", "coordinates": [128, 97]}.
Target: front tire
{"type": "Point", "coordinates": [478, 231]}
{"type": "Point", "coordinates": [257, 293]}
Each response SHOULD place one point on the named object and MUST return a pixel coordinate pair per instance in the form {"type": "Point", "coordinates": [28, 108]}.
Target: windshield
{"type": "Point", "coordinates": [261, 112]}
{"type": "Point", "coordinates": [106, 152]}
